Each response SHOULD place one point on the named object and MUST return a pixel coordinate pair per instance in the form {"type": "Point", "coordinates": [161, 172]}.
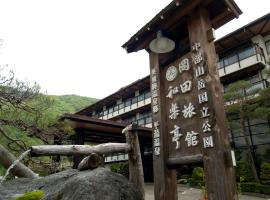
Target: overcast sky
{"type": "Point", "coordinates": [74, 46]}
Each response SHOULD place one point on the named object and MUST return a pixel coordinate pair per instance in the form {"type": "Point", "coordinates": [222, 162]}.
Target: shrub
{"type": "Point", "coordinates": [255, 187]}
{"type": "Point", "coordinates": [265, 173]}
{"type": "Point", "coordinates": [243, 172]}
{"type": "Point", "coordinates": [120, 168]}
{"type": "Point", "coordinates": [35, 195]}
{"type": "Point", "coordinates": [197, 177]}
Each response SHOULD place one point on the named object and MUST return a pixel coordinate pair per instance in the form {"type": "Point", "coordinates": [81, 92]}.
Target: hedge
{"type": "Point", "coordinates": [256, 188]}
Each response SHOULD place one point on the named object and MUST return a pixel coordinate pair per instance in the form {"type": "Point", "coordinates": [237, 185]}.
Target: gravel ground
{"type": "Point", "coordinates": [185, 193]}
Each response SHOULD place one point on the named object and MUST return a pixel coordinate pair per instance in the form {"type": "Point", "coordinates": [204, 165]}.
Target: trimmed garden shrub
{"type": "Point", "coordinates": [265, 173]}
{"type": "Point", "coordinates": [256, 188]}
{"type": "Point", "coordinates": [243, 172]}
{"type": "Point", "coordinates": [197, 177]}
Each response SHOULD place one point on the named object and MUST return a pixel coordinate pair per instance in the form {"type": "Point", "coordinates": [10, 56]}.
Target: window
{"type": "Point", "coordinates": [230, 60]}
{"type": "Point", "coordinates": [105, 112]}
{"type": "Point", "coordinates": [100, 114]}
{"type": "Point", "coordinates": [127, 102]}
{"type": "Point", "coordinates": [267, 44]}
{"type": "Point", "coordinates": [147, 94]}
{"type": "Point", "coordinates": [148, 120]}
{"type": "Point", "coordinates": [261, 139]}
{"type": "Point", "coordinates": [141, 121]}
{"type": "Point", "coordinates": [257, 121]}
{"type": "Point", "coordinates": [134, 100]}
{"type": "Point", "coordinates": [239, 142]}
{"type": "Point", "coordinates": [253, 79]}
{"type": "Point", "coordinates": [220, 64]}
{"type": "Point", "coordinates": [141, 97]}
{"type": "Point", "coordinates": [121, 106]}
{"type": "Point", "coordinates": [110, 110]}
{"type": "Point", "coordinates": [259, 129]}
{"type": "Point", "coordinates": [246, 53]}
{"type": "Point", "coordinates": [115, 108]}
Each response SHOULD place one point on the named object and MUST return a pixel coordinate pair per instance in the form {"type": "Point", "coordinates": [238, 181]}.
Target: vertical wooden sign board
{"type": "Point", "coordinates": [189, 118]}
{"type": "Point", "coordinates": [164, 179]}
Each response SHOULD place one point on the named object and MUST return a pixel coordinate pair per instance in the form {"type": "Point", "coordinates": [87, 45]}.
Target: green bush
{"type": "Point", "coordinates": [256, 188]}
{"type": "Point", "coordinates": [120, 168]}
{"type": "Point", "coordinates": [197, 177]}
{"type": "Point", "coordinates": [243, 172]}
{"type": "Point", "coordinates": [185, 176]}
{"type": "Point", "coordinates": [35, 195]}
{"type": "Point", "coordinates": [265, 173]}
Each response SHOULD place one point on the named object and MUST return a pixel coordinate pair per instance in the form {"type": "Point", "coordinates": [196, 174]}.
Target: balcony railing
{"type": "Point", "coordinates": [145, 121]}
{"type": "Point", "coordinates": [241, 59]}
{"type": "Point", "coordinates": [126, 106]}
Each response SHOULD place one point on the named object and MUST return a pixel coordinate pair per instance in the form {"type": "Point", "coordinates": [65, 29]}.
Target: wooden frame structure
{"type": "Point", "coordinates": [132, 147]}
{"type": "Point", "coordinates": [190, 25]}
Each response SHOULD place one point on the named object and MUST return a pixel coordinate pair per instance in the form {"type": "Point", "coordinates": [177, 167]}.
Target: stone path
{"type": "Point", "coordinates": [185, 193]}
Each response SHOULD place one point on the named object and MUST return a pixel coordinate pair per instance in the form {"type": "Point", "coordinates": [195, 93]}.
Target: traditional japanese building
{"type": "Point", "coordinates": [243, 54]}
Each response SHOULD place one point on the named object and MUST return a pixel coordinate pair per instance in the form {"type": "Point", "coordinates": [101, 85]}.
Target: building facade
{"type": "Point", "coordinates": [243, 54]}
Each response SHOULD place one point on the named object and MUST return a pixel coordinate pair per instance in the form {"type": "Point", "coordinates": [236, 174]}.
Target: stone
{"type": "Point", "coordinates": [97, 184]}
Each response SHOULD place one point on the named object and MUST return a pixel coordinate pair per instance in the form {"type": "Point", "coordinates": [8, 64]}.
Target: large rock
{"type": "Point", "coordinates": [97, 184]}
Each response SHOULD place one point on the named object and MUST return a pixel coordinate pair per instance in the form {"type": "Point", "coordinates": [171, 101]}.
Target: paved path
{"type": "Point", "coordinates": [185, 193]}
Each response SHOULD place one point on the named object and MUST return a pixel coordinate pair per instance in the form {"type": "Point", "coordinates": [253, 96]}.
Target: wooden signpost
{"type": "Point", "coordinates": [189, 122]}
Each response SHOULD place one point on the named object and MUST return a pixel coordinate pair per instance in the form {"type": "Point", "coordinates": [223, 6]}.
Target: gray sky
{"type": "Point", "coordinates": [74, 46]}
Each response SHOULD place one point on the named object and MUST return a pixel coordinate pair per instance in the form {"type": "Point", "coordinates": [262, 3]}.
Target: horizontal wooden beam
{"type": "Point", "coordinates": [50, 150]}
{"type": "Point", "coordinates": [194, 159]}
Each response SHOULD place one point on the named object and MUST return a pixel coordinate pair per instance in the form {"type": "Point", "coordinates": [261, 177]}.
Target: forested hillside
{"type": "Point", "coordinates": [69, 103]}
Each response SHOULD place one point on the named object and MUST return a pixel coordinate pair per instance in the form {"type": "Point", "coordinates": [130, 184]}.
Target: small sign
{"type": "Point", "coordinates": [116, 157]}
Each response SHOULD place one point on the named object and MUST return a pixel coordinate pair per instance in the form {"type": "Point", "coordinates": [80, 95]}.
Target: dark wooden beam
{"type": "Point", "coordinates": [264, 24]}
{"type": "Point", "coordinates": [253, 34]}
{"type": "Point", "coordinates": [232, 8]}
{"type": "Point", "coordinates": [174, 163]}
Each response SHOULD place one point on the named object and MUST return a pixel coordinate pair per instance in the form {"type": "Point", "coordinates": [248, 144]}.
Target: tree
{"type": "Point", "coordinates": [25, 119]}
{"type": "Point", "coordinates": [239, 97]}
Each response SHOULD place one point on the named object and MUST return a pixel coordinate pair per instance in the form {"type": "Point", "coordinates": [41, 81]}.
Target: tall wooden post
{"type": "Point", "coordinates": [79, 140]}
{"type": "Point", "coordinates": [219, 172]}
{"type": "Point", "coordinates": [136, 175]}
{"type": "Point", "coordinates": [165, 184]}
{"type": "Point", "coordinates": [189, 123]}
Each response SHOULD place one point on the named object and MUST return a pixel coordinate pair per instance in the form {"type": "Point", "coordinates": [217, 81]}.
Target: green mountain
{"type": "Point", "coordinates": [70, 103]}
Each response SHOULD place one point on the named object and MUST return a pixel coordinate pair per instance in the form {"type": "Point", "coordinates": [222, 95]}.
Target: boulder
{"type": "Point", "coordinates": [97, 184]}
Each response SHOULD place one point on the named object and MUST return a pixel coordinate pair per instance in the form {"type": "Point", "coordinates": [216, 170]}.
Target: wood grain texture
{"type": "Point", "coordinates": [165, 186]}
{"type": "Point", "coordinates": [49, 150]}
{"type": "Point", "coordinates": [220, 178]}
{"type": "Point", "coordinates": [136, 175]}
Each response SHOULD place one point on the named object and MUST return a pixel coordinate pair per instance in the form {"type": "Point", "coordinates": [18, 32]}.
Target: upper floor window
{"type": "Point", "coordinates": [141, 97]}
{"type": "Point", "coordinates": [236, 56]}
{"type": "Point", "coordinates": [110, 110]}
{"type": "Point", "coordinates": [246, 53]}
{"type": "Point", "coordinates": [230, 60]}
{"type": "Point", "coordinates": [127, 102]}
{"type": "Point", "coordinates": [147, 94]}
{"type": "Point", "coordinates": [121, 106]}
{"type": "Point", "coordinates": [134, 100]}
